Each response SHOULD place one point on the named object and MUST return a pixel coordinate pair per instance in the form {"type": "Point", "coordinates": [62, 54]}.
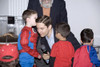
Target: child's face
{"type": "Point", "coordinates": [32, 20]}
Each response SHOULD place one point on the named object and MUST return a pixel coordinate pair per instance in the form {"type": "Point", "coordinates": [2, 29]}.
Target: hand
{"type": "Point", "coordinates": [46, 56]}
{"type": "Point", "coordinates": [39, 56]}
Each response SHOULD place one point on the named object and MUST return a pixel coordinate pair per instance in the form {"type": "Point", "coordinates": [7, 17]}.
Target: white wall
{"type": "Point", "coordinates": [13, 7]}
{"type": "Point", "coordinates": [4, 7]}
{"type": "Point", "coordinates": [16, 7]}
{"type": "Point", "coordinates": [84, 14]}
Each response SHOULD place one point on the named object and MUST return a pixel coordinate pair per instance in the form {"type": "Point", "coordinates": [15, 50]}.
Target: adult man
{"type": "Point", "coordinates": [56, 9]}
{"type": "Point", "coordinates": [47, 39]}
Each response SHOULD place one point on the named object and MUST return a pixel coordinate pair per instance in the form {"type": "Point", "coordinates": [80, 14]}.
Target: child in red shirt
{"type": "Point", "coordinates": [62, 51]}
{"type": "Point", "coordinates": [86, 55]}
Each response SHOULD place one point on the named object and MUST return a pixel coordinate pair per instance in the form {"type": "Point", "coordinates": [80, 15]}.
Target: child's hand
{"type": "Point", "coordinates": [39, 56]}
{"type": "Point", "coordinates": [46, 56]}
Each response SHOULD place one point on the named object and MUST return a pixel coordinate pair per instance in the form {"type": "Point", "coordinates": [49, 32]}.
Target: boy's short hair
{"type": "Point", "coordinates": [27, 13]}
{"type": "Point", "coordinates": [45, 20]}
{"type": "Point", "coordinates": [87, 35]}
{"type": "Point", "coordinates": [63, 28]}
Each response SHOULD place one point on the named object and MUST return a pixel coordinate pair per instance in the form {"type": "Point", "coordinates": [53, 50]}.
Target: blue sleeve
{"type": "Point", "coordinates": [93, 57]}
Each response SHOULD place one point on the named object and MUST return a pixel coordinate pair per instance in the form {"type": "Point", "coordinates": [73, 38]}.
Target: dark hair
{"type": "Point", "coordinates": [44, 19]}
{"type": "Point", "coordinates": [63, 28]}
{"type": "Point", "coordinates": [27, 13]}
{"type": "Point", "coordinates": [86, 35]}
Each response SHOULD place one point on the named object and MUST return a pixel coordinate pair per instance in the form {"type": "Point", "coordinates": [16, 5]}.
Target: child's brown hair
{"type": "Point", "coordinates": [63, 28]}
{"type": "Point", "coordinates": [27, 13]}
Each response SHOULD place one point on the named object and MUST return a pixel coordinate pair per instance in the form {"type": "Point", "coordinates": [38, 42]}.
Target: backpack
{"type": "Point", "coordinates": [81, 57]}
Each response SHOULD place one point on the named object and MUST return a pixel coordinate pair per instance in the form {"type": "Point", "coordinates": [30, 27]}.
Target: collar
{"type": "Point", "coordinates": [52, 35]}
{"type": "Point", "coordinates": [28, 28]}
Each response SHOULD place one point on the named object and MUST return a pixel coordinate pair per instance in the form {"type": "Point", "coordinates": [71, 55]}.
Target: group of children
{"type": "Point", "coordinates": [63, 51]}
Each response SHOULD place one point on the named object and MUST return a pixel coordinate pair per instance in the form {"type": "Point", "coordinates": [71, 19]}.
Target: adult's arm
{"type": "Point", "coordinates": [63, 11]}
{"type": "Point", "coordinates": [73, 40]}
{"type": "Point", "coordinates": [32, 4]}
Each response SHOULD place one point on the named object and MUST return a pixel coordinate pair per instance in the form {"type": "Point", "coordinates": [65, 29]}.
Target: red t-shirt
{"type": "Point", "coordinates": [63, 51]}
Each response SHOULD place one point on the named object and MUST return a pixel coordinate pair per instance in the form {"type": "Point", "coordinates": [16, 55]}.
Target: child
{"type": "Point", "coordinates": [27, 40]}
{"type": "Point", "coordinates": [63, 51]}
{"type": "Point", "coordinates": [86, 55]}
